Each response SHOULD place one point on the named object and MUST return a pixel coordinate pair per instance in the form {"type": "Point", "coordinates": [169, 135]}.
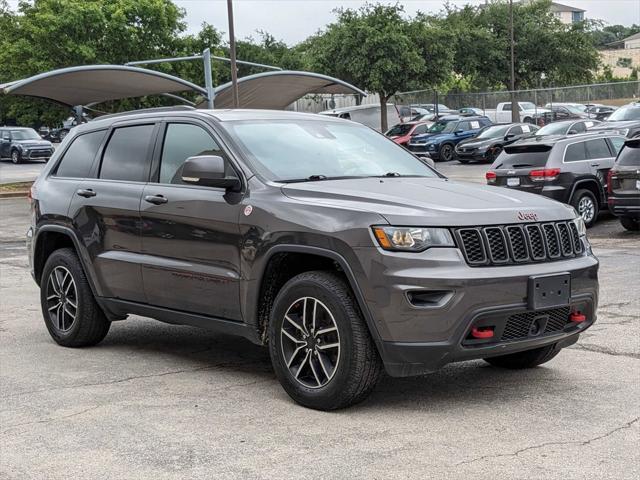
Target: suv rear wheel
{"type": "Point", "coordinates": [70, 311]}
{"type": "Point", "coordinates": [526, 359]}
{"type": "Point", "coordinates": [320, 347]}
{"type": "Point", "coordinates": [586, 205]}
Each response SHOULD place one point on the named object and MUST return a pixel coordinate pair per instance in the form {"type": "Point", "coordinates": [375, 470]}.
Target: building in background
{"type": "Point", "coordinates": [567, 14]}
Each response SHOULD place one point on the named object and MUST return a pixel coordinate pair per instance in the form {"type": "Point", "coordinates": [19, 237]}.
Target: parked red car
{"type": "Point", "coordinates": [402, 132]}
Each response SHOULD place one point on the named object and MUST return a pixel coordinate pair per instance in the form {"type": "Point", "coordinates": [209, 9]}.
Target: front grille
{"type": "Point", "coordinates": [528, 243]}
{"type": "Point", "coordinates": [519, 326]}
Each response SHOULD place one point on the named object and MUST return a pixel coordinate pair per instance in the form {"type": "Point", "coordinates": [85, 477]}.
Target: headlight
{"type": "Point", "coordinates": [412, 239]}
{"type": "Point", "coordinates": [431, 146]}
{"type": "Point", "coordinates": [582, 228]}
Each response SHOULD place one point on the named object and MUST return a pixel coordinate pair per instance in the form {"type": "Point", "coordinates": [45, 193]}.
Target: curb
{"type": "Point", "coordinates": [18, 194]}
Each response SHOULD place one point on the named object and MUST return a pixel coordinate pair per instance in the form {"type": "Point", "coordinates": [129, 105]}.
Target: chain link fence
{"type": "Point", "coordinates": [614, 94]}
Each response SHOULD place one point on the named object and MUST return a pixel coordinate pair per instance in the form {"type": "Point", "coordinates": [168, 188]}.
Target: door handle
{"type": "Point", "coordinates": [156, 199]}
{"type": "Point", "coordinates": [86, 193]}
{"type": "Point", "coordinates": [595, 164]}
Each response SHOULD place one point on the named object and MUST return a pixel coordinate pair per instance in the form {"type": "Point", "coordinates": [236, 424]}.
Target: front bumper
{"type": "Point", "coordinates": [37, 154]}
{"type": "Point", "coordinates": [419, 338]}
{"type": "Point", "coordinates": [420, 149]}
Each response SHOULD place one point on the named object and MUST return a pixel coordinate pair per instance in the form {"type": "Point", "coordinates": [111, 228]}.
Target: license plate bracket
{"type": "Point", "coordinates": [549, 291]}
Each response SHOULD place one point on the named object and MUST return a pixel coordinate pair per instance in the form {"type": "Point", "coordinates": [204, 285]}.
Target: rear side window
{"type": "Point", "coordinates": [78, 158]}
{"type": "Point", "coordinates": [617, 143]}
{"type": "Point", "coordinates": [597, 149]}
{"type": "Point", "coordinates": [630, 155]}
{"type": "Point", "coordinates": [575, 152]}
{"type": "Point", "coordinates": [182, 141]}
{"type": "Point", "coordinates": [126, 155]}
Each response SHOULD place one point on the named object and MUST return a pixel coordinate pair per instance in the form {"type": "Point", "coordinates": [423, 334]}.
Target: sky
{"type": "Point", "coordinates": [294, 20]}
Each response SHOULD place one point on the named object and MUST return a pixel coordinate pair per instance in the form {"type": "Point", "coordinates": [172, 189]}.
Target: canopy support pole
{"type": "Point", "coordinates": [208, 81]}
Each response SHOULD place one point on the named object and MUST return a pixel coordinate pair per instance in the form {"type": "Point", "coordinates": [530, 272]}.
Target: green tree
{"type": "Point", "coordinates": [377, 49]}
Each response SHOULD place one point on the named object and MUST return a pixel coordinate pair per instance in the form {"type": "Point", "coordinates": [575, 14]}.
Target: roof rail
{"type": "Point", "coordinates": [177, 108]}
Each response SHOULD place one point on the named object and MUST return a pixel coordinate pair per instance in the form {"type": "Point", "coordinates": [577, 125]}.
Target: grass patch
{"type": "Point", "coordinates": [15, 187]}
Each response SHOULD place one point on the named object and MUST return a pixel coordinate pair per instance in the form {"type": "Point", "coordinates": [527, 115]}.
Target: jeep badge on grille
{"type": "Point", "coordinates": [528, 216]}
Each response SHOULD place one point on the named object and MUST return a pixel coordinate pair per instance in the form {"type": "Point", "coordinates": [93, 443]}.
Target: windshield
{"type": "Point", "coordinates": [494, 131]}
{"type": "Point", "coordinates": [553, 129]}
{"type": "Point", "coordinates": [296, 150]}
{"type": "Point", "coordinates": [400, 129]}
{"type": "Point", "coordinates": [28, 134]}
{"type": "Point", "coordinates": [575, 108]}
{"type": "Point", "coordinates": [625, 113]}
{"type": "Point", "coordinates": [442, 126]}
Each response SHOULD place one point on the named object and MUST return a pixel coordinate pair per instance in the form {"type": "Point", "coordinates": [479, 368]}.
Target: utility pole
{"type": "Point", "coordinates": [232, 49]}
{"type": "Point", "coordinates": [515, 110]}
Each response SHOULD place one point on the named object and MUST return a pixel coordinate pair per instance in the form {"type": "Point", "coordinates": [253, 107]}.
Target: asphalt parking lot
{"type": "Point", "coordinates": [160, 401]}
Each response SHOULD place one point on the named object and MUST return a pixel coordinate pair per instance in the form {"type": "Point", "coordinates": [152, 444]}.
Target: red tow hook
{"type": "Point", "coordinates": [577, 317]}
{"type": "Point", "coordinates": [482, 332]}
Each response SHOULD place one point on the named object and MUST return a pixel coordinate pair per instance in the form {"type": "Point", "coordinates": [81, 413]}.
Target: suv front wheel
{"type": "Point", "coordinates": [70, 311]}
{"type": "Point", "coordinates": [321, 350]}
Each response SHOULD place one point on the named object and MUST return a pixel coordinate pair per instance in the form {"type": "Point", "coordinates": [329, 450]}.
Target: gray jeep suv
{"type": "Point", "coordinates": [316, 236]}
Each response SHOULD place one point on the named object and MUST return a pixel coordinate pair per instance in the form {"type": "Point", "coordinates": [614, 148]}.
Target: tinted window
{"type": "Point", "coordinates": [420, 129]}
{"type": "Point", "coordinates": [6, 135]}
{"type": "Point", "coordinates": [515, 131]}
{"type": "Point", "coordinates": [464, 126]}
{"type": "Point", "coordinates": [125, 157]}
{"type": "Point", "coordinates": [597, 148]}
{"type": "Point", "coordinates": [181, 142]}
{"type": "Point", "coordinates": [578, 127]}
{"type": "Point", "coordinates": [575, 152]}
{"type": "Point", "coordinates": [79, 156]}
{"type": "Point", "coordinates": [523, 156]}
{"type": "Point", "coordinates": [630, 155]}
{"type": "Point", "coordinates": [506, 106]}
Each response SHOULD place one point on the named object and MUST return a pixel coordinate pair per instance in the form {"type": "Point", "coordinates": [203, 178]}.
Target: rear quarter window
{"type": "Point", "coordinates": [79, 157]}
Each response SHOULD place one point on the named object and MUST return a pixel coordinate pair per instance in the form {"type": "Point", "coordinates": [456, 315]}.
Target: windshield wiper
{"type": "Point", "coordinates": [313, 178]}
{"type": "Point", "coordinates": [391, 174]}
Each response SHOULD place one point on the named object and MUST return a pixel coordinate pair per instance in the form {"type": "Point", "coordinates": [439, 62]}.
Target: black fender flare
{"type": "Point", "coordinates": [584, 181]}
{"type": "Point", "coordinates": [344, 265]}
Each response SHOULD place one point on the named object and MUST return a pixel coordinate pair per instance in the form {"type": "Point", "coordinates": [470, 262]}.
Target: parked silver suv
{"type": "Point", "coordinates": [315, 236]}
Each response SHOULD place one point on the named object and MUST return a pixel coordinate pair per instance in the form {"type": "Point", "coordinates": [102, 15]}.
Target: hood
{"type": "Point", "coordinates": [432, 137]}
{"type": "Point", "coordinates": [613, 125]}
{"type": "Point", "coordinates": [429, 201]}
{"type": "Point", "coordinates": [35, 143]}
{"type": "Point", "coordinates": [478, 143]}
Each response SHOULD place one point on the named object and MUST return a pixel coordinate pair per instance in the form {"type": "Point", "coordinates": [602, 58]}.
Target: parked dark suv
{"type": "Point", "coordinates": [569, 168]}
{"type": "Point", "coordinates": [18, 144]}
{"type": "Point", "coordinates": [316, 236]}
{"type": "Point", "coordinates": [624, 185]}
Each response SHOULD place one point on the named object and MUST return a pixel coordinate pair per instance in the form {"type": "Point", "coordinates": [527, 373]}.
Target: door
{"type": "Point", "coordinates": [5, 146]}
{"type": "Point", "coordinates": [190, 234]}
{"type": "Point", "coordinates": [600, 159]}
{"type": "Point", "coordinates": [106, 210]}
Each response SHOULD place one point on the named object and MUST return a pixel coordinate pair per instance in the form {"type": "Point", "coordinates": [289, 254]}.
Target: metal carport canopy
{"type": "Point", "coordinates": [94, 84]}
{"type": "Point", "coordinates": [279, 89]}
{"type": "Point", "coordinates": [91, 84]}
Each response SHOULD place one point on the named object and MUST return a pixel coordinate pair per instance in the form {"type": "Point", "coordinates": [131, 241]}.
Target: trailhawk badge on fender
{"type": "Point", "coordinates": [247, 210]}
{"type": "Point", "coordinates": [528, 216]}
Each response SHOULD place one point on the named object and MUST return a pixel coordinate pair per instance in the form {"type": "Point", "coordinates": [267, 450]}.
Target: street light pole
{"type": "Point", "coordinates": [515, 111]}
{"type": "Point", "coordinates": [232, 51]}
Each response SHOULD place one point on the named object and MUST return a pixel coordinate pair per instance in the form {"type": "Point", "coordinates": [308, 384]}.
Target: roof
{"type": "Point", "coordinates": [635, 36]}
{"type": "Point", "coordinates": [279, 89]}
{"type": "Point", "coordinates": [227, 115]}
{"type": "Point", "coordinates": [90, 84]}
{"type": "Point", "coordinates": [559, 7]}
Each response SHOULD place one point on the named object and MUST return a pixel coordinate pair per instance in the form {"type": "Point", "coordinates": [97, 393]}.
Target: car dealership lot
{"type": "Point", "coordinates": [161, 401]}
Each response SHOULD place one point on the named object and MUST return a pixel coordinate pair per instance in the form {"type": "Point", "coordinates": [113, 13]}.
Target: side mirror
{"type": "Point", "coordinates": [510, 136]}
{"type": "Point", "coordinates": [459, 131]}
{"type": "Point", "coordinates": [572, 132]}
{"type": "Point", "coordinates": [208, 170]}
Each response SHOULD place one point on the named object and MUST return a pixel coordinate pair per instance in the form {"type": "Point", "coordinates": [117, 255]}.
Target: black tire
{"type": "Point", "coordinates": [90, 325]}
{"type": "Point", "coordinates": [447, 152]}
{"type": "Point", "coordinates": [589, 213]}
{"type": "Point", "coordinates": [631, 224]}
{"type": "Point", "coordinates": [356, 367]}
{"type": "Point", "coordinates": [16, 157]}
{"type": "Point", "coordinates": [526, 359]}
{"type": "Point", "coordinates": [493, 154]}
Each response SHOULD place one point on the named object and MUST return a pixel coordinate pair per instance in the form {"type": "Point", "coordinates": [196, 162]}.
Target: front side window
{"type": "Point", "coordinates": [294, 150]}
{"type": "Point", "coordinates": [126, 155]}
{"type": "Point", "coordinates": [78, 158]}
{"type": "Point", "coordinates": [182, 141]}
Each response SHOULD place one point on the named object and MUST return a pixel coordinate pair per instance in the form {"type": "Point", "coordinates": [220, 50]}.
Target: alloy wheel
{"type": "Point", "coordinates": [15, 157]}
{"type": "Point", "coordinates": [586, 209]}
{"type": "Point", "coordinates": [310, 342]}
{"type": "Point", "coordinates": [62, 299]}
{"type": "Point", "coordinates": [447, 153]}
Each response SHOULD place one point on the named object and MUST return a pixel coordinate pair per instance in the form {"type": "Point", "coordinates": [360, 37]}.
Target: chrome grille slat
{"type": "Point", "coordinates": [519, 243]}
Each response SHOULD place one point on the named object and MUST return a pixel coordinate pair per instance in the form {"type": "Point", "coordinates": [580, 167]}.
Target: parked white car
{"type": "Point", "coordinates": [368, 115]}
{"type": "Point", "coordinates": [528, 112]}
